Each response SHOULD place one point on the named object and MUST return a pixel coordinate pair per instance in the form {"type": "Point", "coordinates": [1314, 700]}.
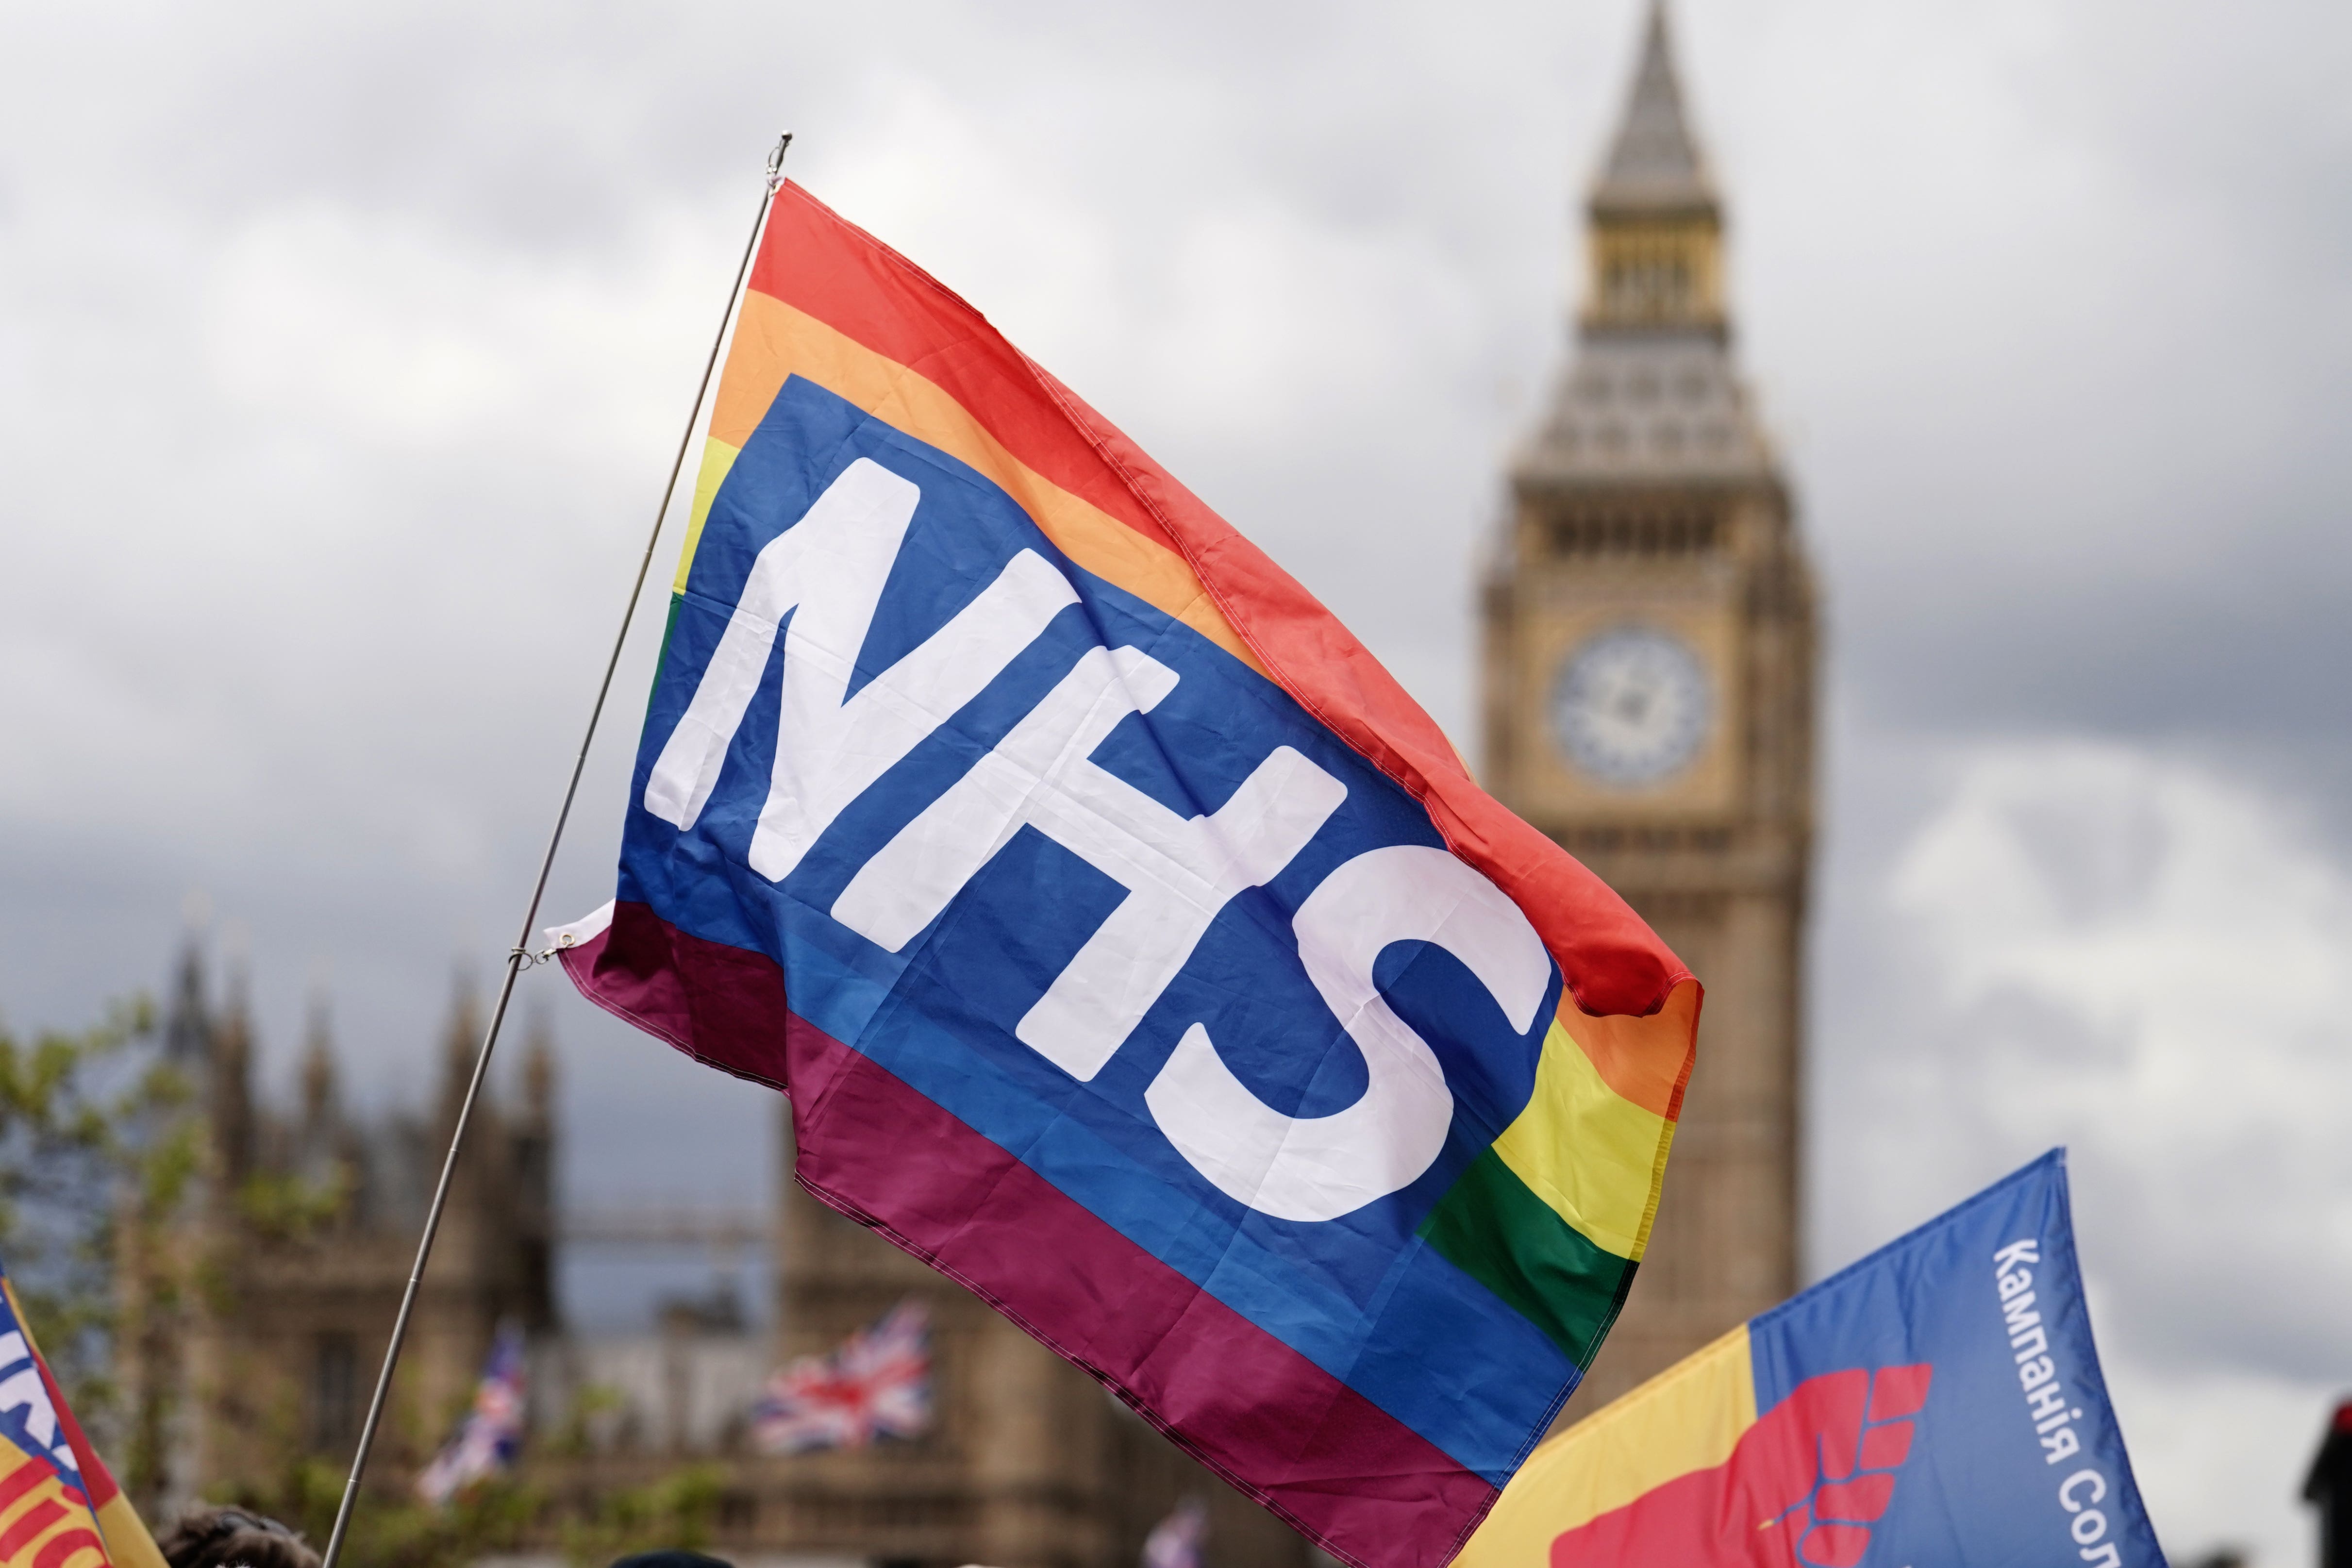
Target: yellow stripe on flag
{"type": "Point", "coordinates": [717, 462]}
{"type": "Point", "coordinates": [1579, 1144]}
{"type": "Point", "coordinates": [129, 1543]}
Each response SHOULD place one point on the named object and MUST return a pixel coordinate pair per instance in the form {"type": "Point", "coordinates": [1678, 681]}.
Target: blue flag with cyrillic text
{"type": "Point", "coordinates": [1939, 1402]}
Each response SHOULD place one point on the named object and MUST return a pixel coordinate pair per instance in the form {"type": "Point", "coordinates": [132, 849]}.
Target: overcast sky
{"type": "Point", "coordinates": [341, 349]}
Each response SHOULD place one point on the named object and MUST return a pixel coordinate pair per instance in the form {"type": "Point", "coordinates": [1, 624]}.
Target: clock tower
{"type": "Point", "coordinates": [1649, 671]}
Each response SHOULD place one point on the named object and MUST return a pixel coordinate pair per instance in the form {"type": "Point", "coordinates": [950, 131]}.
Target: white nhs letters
{"type": "Point", "coordinates": [845, 545]}
{"type": "Point", "coordinates": [827, 571]}
{"type": "Point", "coordinates": [1320, 1167]}
{"type": "Point", "coordinates": [1178, 871]}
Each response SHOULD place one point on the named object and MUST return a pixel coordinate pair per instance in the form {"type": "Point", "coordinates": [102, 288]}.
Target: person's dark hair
{"type": "Point", "coordinates": [672, 1558]}
{"type": "Point", "coordinates": [233, 1538]}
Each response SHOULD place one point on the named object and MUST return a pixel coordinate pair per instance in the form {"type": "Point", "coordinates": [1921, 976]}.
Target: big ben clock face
{"type": "Point", "coordinates": [1632, 706]}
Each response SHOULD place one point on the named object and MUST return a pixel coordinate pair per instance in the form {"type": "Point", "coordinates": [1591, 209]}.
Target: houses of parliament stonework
{"type": "Point", "coordinates": [1648, 677]}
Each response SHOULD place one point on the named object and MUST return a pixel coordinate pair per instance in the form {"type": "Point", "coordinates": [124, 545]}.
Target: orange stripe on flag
{"type": "Point", "coordinates": [1647, 1060]}
{"type": "Point", "coordinates": [774, 341]}
{"type": "Point", "coordinates": [837, 272]}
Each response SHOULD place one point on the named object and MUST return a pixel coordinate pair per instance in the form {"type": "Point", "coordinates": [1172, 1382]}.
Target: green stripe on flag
{"type": "Point", "coordinates": [1494, 1229]}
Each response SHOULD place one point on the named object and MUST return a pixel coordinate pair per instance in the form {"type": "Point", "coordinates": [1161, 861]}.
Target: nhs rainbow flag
{"type": "Point", "coordinates": [1132, 948]}
{"type": "Point", "coordinates": [1939, 1402]}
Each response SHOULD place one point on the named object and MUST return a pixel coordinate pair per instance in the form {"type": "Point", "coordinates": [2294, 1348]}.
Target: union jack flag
{"type": "Point", "coordinates": [491, 1435]}
{"type": "Point", "coordinates": [875, 1383]}
{"type": "Point", "coordinates": [1175, 1541]}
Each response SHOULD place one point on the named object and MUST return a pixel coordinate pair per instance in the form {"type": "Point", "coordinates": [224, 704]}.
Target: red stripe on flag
{"type": "Point", "coordinates": [815, 261]}
{"type": "Point", "coordinates": [20, 1480]}
{"type": "Point", "coordinates": [28, 1528]}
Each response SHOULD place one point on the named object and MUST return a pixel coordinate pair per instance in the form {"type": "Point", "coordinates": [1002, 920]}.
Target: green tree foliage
{"type": "Point", "coordinates": [107, 1189]}
{"type": "Point", "coordinates": [98, 1147]}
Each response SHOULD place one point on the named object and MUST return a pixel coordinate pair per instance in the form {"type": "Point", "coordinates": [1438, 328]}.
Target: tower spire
{"type": "Point", "coordinates": [459, 1045]}
{"type": "Point", "coordinates": [1653, 392]}
{"type": "Point", "coordinates": [319, 1106]}
{"type": "Point", "coordinates": [1654, 164]}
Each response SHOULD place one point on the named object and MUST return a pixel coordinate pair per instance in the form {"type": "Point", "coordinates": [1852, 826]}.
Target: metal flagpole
{"type": "Point", "coordinates": [520, 957]}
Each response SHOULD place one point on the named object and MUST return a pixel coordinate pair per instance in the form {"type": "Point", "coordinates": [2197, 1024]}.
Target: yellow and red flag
{"type": "Point", "coordinates": [59, 1508]}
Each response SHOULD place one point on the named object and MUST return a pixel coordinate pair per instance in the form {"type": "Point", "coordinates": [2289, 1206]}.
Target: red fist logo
{"type": "Point", "coordinates": [1802, 1488]}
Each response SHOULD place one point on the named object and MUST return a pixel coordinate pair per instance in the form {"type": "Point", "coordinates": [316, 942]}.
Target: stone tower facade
{"type": "Point", "coordinates": [300, 1235]}
{"type": "Point", "coordinates": [1649, 678]}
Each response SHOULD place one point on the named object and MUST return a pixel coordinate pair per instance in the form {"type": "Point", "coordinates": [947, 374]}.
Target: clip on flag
{"type": "Point", "coordinates": [1939, 1402]}
{"type": "Point", "coordinates": [59, 1508]}
{"type": "Point", "coordinates": [1131, 946]}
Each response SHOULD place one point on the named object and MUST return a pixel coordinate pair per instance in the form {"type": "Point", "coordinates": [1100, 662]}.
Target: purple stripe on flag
{"type": "Point", "coordinates": [722, 1005]}
{"type": "Point", "coordinates": [1327, 1459]}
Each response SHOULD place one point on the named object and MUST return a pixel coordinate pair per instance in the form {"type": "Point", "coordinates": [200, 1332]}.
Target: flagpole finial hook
{"type": "Point", "coordinates": [776, 161]}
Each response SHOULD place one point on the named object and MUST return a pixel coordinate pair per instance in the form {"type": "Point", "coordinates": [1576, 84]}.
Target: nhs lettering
{"type": "Point", "coordinates": [934, 758]}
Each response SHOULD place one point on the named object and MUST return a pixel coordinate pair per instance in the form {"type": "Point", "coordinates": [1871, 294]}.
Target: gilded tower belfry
{"type": "Point", "coordinates": [1649, 671]}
